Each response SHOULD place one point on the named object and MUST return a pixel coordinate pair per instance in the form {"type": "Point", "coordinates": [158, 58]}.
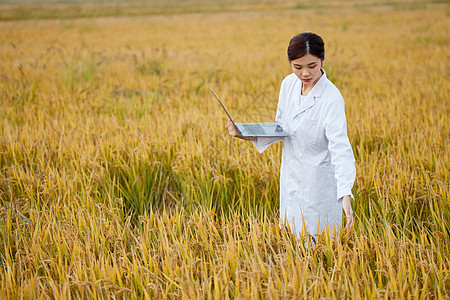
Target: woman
{"type": "Point", "coordinates": [317, 166]}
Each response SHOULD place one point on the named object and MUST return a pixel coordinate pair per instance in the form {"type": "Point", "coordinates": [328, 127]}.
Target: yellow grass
{"type": "Point", "coordinates": [118, 178]}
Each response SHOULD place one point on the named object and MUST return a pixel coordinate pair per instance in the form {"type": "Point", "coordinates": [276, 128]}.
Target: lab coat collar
{"type": "Point", "coordinates": [316, 92]}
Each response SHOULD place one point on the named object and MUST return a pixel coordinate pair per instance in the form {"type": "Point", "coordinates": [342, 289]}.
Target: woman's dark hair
{"type": "Point", "coordinates": [306, 43]}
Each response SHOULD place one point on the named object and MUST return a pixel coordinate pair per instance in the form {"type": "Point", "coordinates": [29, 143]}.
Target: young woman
{"type": "Point", "coordinates": [317, 166]}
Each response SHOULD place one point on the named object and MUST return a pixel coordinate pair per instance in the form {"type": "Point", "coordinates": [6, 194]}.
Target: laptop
{"type": "Point", "coordinates": [266, 129]}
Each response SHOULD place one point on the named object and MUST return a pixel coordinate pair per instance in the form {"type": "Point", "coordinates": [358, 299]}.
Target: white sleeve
{"type": "Point", "coordinates": [262, 143]}
{"type": "Point", "coordinates": [340, 149]}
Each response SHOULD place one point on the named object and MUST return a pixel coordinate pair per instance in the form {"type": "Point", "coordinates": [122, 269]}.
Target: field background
{"type": "Point", "coordinates": [118, 178]}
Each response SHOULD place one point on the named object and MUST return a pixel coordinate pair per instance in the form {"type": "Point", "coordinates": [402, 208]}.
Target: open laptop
{"type": "Point", "coordinates": [267, 129]}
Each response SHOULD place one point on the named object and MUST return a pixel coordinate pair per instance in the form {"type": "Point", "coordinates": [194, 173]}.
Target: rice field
{"type": "Point", "coordinates": [118, 178]}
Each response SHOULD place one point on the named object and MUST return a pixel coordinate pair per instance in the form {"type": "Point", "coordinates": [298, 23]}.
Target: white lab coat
{"type": "Point", "coordinates": [317, 166]}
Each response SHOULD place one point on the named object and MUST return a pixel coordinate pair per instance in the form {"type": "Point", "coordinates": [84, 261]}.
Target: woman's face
{"type": "Point", "coordinates": [307, 69]}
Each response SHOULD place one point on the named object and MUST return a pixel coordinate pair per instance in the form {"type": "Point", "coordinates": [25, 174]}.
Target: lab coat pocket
{"type": "Point", "coordinates": [307, 131]}
{"type": "Point", "coordinates": [320, 183]}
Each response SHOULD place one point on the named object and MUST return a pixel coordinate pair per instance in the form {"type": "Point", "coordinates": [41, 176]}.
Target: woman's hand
{"type": "Point", "coordinates": [232, 130]}
{"type": "Point", "coordinates": [347, 207]}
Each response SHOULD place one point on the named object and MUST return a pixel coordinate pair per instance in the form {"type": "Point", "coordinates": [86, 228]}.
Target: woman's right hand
{"type": "Point", "coordinates": [232, 130]}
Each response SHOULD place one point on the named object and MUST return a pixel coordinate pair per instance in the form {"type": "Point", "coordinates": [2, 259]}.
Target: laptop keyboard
{"type": "Point", "coordinates": [254, 129]}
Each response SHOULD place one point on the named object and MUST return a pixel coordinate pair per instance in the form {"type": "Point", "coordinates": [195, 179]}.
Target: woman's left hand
{"type": "Point", "coordinates": [347, 207]}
